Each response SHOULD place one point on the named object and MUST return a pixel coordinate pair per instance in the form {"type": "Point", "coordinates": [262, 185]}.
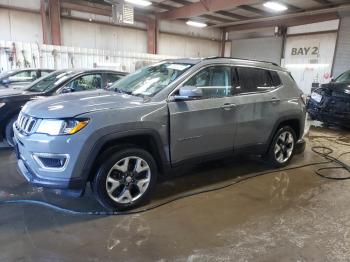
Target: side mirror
{"type": "Point", "coordinates": [189, 92]}
{"type": "Point", "coordinates": [332, 79]}
{"type": "Point", "coordinates": [67, 89]}
{"type": "Point", "coordinates": [5, 81]}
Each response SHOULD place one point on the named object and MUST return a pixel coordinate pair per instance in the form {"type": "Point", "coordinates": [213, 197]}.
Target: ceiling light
{"type": "Point", "coordinates": [275, 6]}
{"type": "Point", "coordinates": [139, 2]}
{"type": "Point", "coordinates": [196, 24]}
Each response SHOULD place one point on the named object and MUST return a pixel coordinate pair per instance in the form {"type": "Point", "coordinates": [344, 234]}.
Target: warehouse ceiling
{"type": "Point", "coordinates": [224, 13]}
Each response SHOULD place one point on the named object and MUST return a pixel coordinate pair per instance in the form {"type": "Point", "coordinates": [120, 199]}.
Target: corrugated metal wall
{"type": "Point", "coordinates": [342, 55]}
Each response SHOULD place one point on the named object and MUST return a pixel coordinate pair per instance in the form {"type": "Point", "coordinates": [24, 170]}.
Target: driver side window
{"type": "Point", "coordinates": [86, 82]}
{"type": "Point", "coordinates": [215, 81]}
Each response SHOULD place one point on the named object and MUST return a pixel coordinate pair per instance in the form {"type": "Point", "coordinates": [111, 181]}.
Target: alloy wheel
{"type": "Point", "coordinates": [128, 180]}
{"type": "Point", "coordinates": [284, 147]}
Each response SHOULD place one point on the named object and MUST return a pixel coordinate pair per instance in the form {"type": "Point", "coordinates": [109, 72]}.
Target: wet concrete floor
{"type": "Point", "coordinates": [283, 216]}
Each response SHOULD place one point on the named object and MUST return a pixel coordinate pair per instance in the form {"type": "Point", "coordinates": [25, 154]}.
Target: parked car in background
{"type": "Point", "coordinates": [162, 116]}
{"type": "Point", "coordinates": [331, 102]}
{"type": "Point", "coordinates": [58, 82]}
{"type": "Point", "coordinates": [21, 78]}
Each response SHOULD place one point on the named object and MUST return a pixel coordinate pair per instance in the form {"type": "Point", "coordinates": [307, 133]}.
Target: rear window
{"type": "Point", "coordinates": [254, 80]}
{"type": "Point", "coordinates": [275, 79]}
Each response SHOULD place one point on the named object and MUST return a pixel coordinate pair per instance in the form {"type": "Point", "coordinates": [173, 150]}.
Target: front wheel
{"type": "Point", "coordinates": [126, 179]}
{"type": "Point", "coordinates": [9, 135]}
{"type": "Point", "coordinates": [282, 147]}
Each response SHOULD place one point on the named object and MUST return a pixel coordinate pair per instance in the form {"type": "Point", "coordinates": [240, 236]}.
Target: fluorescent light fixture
{"type": "Point", "coordinates": [196, 24]}
{"type": "Point", "coordinates": [139, 2]}
{"type": "Point", "coordinates": [275, 6]}
{"type": "Point", "coordinates": [307, 65]}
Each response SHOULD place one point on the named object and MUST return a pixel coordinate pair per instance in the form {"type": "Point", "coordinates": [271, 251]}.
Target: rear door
{"type": "Point", "coordinates": [257, 104]}
{"type": "Point", "coordinates": [203, 126]}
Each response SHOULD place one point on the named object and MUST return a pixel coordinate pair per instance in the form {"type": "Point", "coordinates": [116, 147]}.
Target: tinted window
{"type": "Point", "coordinates": [45, 73]}
{"type": "Point", "coordinates": [111, 78]}
{"type": "Point", "coordinates": [343, 78]}
{"type": "Point", "coordinates": [50, 81]}
{"type": "Point", "coordinates": [275, 79]}
{"type": "Point", "coordinates": [23, 76]}
{"type": "Point", "coordinates": [215, 81]}
{"type": "Point", "coordinates": [86, 82]}
{"type": "Point", "coordinates": [253, 80]}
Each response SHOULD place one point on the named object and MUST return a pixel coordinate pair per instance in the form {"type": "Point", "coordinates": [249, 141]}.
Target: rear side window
{"type": "Point", "coordinates": [275, 79]}
{"type": "Point", "coordinates": [252, 80]}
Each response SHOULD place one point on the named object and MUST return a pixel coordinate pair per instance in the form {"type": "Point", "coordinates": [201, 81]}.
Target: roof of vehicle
{"type": "Point", "coordinates": [78, 71]}
{"type": "Point", "coordinates": [236, 61]}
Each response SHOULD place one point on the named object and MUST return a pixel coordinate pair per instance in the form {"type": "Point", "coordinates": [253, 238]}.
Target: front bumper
{"type": "Point", "coordinates": [65, 179]}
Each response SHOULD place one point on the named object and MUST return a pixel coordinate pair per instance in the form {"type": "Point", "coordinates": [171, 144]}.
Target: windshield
{"type": "Point", "coordinates": [6, 74]}
{"type": "Point", "coordinates": [343, 78]}
{"type": "Point", "coordinates": [150, 80]}
{"type": "Point", "coordinates": [50, 81]}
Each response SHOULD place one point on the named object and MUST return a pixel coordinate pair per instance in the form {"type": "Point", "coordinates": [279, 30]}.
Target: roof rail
{"type": "Point", "coordinates": [217, 57]}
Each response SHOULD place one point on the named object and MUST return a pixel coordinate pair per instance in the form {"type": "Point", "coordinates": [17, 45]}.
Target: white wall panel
{"type": "Point", "coordinates": [20, 26]}
{"type": "Point", "coordinates": [187, 46]}
{"type": "Point", "coordinates": [309, 58]}
{"type": "Point", "coordinates": [93, 35]}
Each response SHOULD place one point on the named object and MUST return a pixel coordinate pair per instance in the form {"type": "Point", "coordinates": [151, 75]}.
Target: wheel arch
{"type": "Point", "coordinates": [148, 140]}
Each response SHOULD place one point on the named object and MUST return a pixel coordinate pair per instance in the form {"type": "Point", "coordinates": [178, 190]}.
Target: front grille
{"type": "Point", "coordinates": [25, 124]}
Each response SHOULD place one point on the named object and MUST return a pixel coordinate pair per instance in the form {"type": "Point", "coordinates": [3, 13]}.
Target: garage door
{"type": "Point", "coordinates": [266, 49]}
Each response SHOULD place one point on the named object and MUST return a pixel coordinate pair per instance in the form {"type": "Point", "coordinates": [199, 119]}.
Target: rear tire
{"type": "Point", "coordinates": [9, 134]}
{"type": "Point", "coordinates": [282, 147]}
{"type": "Point", "coordinates": [126, 179]}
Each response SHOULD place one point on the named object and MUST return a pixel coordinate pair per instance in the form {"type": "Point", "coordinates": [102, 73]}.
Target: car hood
{"type": "Point", "coordinates": [74, 104]}
{"type": "Point", "coordinates": [338, 87]}
{"type": "Point", "coordinates": [8, 92]}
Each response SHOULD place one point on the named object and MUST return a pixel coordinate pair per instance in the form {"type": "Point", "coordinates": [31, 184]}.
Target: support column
{"type": "Point", "coordinates": [55, 19]}
{"type": "Point", "coordinates": [223, 42]}
{"type": "Point", "coordinates": [44, 21]}
{"type": "Point", "coordinates": [152, 36]}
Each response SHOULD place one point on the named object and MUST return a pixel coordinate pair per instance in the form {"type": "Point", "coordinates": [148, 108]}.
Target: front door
{"type": "Point", "coordinates": [203, 126]}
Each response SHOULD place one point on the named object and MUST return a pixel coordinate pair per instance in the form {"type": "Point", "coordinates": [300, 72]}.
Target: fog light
{"type": "Point", "coordinates": [51, 162]}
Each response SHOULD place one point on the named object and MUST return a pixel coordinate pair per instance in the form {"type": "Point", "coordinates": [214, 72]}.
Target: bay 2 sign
{"type": "Point", "coordinates": [307, 51]}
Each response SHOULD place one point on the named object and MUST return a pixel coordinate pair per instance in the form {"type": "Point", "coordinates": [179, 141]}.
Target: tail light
{"type": "Point", "coordinates": [304, 98]}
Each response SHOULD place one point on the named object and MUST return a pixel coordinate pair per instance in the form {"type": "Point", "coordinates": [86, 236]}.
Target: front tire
{"type": "Point", "coordinates": [126, 179]}
{"type": "Point", "coordinates": [282, 148]}
{"type": "Point", "coordinates": [9, 134]}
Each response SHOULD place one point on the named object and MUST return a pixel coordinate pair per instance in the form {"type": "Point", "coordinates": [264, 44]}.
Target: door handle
{"type": "Point", "coordinates": [228, 106]}
{"type": "Point", "coordinates": [275, 100]}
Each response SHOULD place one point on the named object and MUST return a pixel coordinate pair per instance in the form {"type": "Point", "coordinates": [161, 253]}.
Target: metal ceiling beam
{"type": "Point", "coordinates": [323, 2]}
{"type": "Point", "coordinates": [216, 18]}
{"type": "Point", "coordinates": [235, 16]}
{"type": "Point", "coordinates": [300, 15]}
{"type": "Point", "coordinates": [254, 10]}
{"type": "Point", "coordinates": [289, 21]}
{"type": "Point", "coordinates": [204, 7]}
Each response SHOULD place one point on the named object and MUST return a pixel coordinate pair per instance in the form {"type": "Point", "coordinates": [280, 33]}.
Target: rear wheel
{"type": "Point", "coordinates": [282, 147]}
{"type": "Point", "coordinates": [126, 179]}
{"type": "Point", "coordinates": [9, 134]}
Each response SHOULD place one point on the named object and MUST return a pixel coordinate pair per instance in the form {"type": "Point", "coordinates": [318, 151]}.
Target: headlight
{"type": "Point", "coordinates": [61, 127]}
{"type": "Point", "coordinates": [2, 104]}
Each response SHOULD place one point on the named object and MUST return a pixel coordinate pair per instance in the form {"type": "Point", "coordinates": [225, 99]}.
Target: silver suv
{"type": "Point", "coordinates": [158, 118]}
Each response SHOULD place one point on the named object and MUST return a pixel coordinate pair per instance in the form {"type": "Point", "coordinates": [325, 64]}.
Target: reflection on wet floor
{"type": "Point", "coordinates": [283, 216]}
